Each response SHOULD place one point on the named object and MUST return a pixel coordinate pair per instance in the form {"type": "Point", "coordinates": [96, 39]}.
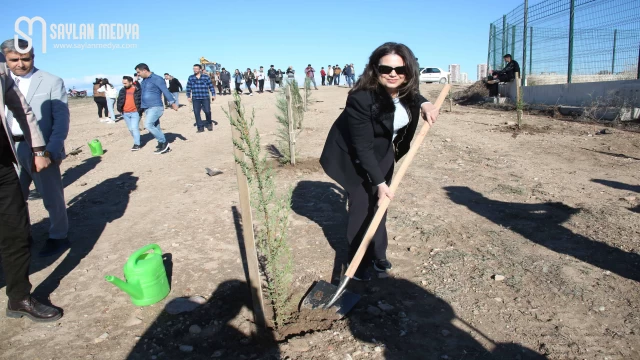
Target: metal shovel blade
{"type": "Point", "coordinates": [321, 294]}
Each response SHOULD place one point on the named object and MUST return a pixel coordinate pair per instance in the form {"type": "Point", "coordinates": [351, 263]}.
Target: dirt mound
{"type": "Point", "coordinates": [472, 95]}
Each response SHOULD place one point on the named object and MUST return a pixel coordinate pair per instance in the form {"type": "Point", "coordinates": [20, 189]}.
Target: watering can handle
{"type": "Point", "coordinates": [134, 257]}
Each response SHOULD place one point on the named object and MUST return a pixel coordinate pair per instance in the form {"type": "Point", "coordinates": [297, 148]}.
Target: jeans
{"type": "Point", "coordinates": [152, 122]}
{"type": "Point", "coordinates": [329, 80]}
{"type": "Point", "coordinates": [110, 102]}
{"type": "Point", "coordinates": [176, 96]}
{"type": "Point", "coordinates": [353, 79]}
{"type": "Point", "coordinates": [336, 80]}
{"type": "Point", "coordinates": [272, 82]}
{"type": "Point", "coordinates": [133, 119]}
{"type": "Point", "coordinates": [348, 79]}
{"type": "Point", "coordinates": [15, 241]}
{"type": "Point", "coordinates": [248, 84]}
{"type": "Point", "coordinates": [312, 81]}
{"type": "Point", "coordinates": [205, 105]}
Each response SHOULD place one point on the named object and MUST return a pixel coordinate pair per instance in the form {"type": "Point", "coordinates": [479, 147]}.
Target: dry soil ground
{"type": "Point", "coordinates": [554, 209]}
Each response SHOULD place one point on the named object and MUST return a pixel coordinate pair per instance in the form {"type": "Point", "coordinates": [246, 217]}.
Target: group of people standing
{"type": "Point", "coordinates": [332, 75]}
{"type": "Point", "coordinates": [249, 78]}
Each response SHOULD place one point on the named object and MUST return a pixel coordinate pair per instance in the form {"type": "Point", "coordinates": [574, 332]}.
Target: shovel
{"type": "Point", "coordinates": [325, 295]}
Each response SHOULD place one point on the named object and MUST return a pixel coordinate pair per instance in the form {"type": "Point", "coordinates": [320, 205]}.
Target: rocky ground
{"type": "Point", "coordinates": [506, 244]}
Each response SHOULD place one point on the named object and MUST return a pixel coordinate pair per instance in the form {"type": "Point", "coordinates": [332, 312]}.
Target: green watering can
{"type": "Point", "coordinates": [146, 277]}
{"type": "Point", "coordinates": [96, 147]}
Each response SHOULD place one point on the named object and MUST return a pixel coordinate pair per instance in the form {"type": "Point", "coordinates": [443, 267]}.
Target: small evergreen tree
{"type": "Point", "coordinates": [273, 213]}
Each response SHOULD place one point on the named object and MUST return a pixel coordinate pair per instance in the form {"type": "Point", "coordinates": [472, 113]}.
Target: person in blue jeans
{"type": "Point", "coordinates": [198, 87]}
{"type": "Point", "coordinates": [129, 106]}
{"type": "Point", "coordinates": [153, 87]}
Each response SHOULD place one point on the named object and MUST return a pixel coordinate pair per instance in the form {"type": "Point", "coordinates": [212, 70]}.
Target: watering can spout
{"type": "Point", "coordinates": [133, 291]}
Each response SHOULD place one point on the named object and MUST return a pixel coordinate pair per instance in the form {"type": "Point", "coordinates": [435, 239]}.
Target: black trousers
{"type": "Point", "coordinates": [219, 88]}
{"type": "Point", "coordinates": [323, 78]}
{"type": "Point", "coordinates": [363, 202]}
{"type": "Point", "coordinates": [238, 89]}
{"type": "Point", "coordinates": [261, 82]}
{"type": "Point", "coordinates": [15, 242]}
{"type": "Point", "coordinates": [102, 105]}
{"type": "Point", "coordinates": [248, 85]}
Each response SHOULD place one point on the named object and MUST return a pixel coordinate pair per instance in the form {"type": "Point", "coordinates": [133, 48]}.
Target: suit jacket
{"type": "Point", "coordinates": [362, 136]}
{"type": "Point", "coordinates": [15, 102]}
{"type": "Point", "coordinates": [47, 97]}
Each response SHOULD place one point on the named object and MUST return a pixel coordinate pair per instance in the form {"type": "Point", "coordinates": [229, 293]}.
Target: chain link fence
{"type": "Point", "coordinates": [569, 41]}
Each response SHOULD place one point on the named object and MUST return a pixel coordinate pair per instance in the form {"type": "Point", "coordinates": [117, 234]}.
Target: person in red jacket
{"type": "Point", "coordinates": [323, 74]}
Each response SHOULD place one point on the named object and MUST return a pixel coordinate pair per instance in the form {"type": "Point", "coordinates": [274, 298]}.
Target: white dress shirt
{"type": "Point", "coordinates": [23, 84]}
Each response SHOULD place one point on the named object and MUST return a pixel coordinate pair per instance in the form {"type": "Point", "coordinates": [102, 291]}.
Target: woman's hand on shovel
{"type": "Point", "coordinates": [429, 112]}
{"type": "Point", "coordinates": [384, 191]}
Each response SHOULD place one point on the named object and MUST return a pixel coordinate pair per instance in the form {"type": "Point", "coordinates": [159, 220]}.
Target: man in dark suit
{"type": "Point", "coordinates": [507, 74]}
{"type": "Point", "coordinates": [46, 95]}
{"type": "Point", "coordinates": [15, 240]}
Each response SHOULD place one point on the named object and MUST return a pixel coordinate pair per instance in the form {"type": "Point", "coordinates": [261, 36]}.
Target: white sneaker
{"type": "Point", "coordinates": [110, 121]}
{"type": "Point", "coordinates": [251, 94]}
{"type": "Point", "coordinates": [104, 119]}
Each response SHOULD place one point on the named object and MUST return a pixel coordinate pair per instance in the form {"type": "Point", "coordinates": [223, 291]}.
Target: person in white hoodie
{"type": "Point", "coordinates": [110, 94]}
{"type": "Point", "coordinates": [329, 75]}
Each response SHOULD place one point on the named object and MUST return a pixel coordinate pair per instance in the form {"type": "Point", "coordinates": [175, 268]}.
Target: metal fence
{"type": "Point", "coordinates": [569, 41]}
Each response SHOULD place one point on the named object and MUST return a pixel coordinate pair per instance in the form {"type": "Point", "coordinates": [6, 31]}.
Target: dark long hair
{"type": "Point", "coordinates": [369, 80]}
{"type": "Point", "coordinates": [106, 82]}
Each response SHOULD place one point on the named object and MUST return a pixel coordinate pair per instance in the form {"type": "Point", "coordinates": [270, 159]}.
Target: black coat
{"type": "Point", "coordinates": [174, 85]}
{"type": "Point", "coordinates": [509, 71]}
{"type": "Point", "coordinates": [122, 96]}
{"type": "Point", "coordinates": [361, 137]}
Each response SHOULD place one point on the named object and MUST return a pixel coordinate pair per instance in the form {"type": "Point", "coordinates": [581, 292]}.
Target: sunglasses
{"type": "Point", "coordinates": [386, 70]}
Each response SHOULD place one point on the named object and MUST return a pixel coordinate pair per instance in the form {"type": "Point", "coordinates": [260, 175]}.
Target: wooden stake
{"type": "Point", "coordinates": [518, 99]}
{"type": "Point", "coordinates": [292, 135]}
{"type": "Point", "coordinates": [247, 229]}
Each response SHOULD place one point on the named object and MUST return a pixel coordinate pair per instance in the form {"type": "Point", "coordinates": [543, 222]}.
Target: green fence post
{"type": "Point", "coordinates": [513, 42]}
{"type": "Point", "coordinates": [489, 50]}
{"type": "Point", "coordinates": [524, 42]}
{"type": "Point", "coordinates": [495, 48]}
{"type": "Point", "coordinates": [638, 66]}
{"type": "Point", "coordinates": [572, 12]}
{"type": "Point", "coordinates": [613, 60]}
{"type": "Point", "coordinates": [530, 50]}
{"type": "Point", "coordinates": [504, 37]}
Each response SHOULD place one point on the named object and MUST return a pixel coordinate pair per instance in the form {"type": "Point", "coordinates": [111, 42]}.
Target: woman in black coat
{"type": "Point", "coordinates": [375, 130]}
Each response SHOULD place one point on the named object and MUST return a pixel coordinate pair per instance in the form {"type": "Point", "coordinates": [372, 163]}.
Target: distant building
{"type": "Point", "coordinates": [464, 78]}
{"type": "Point", "coordinates": [454, 69]}
{"type": "Point", "coordinates": [482, 71]}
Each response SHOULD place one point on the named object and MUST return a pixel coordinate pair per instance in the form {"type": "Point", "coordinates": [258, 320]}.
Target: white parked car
{"type": "Point", "coordinates": [433, 75]}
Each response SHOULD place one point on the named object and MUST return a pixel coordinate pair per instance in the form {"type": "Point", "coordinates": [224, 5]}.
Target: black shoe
{"type": "Point", "coordinates": [135, 148]}
{"type": "Point", "coordinates": [210, 127]}
{"type": "Point", "coordinates": [32, 309]}
{"type": "Point", "coordinates": [382, 265]}
{"type": "Point", "coordinates": [361, 274]}
{"type": "Point", "coordinates": [162, 148]}
{"type": "Point", "coordinates": [54, 246]}
{"type": "Point", "coordinates": [200, 130]}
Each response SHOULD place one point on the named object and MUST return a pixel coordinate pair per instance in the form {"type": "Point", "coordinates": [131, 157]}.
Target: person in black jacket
{"type": "Point", "coordinates": [375, 130]}
{"type": "Point", "coordinates": [174, 88]}
{"type": "Point", "coordinates": [128, 104]}
{"type": "Point", "coordinates": [507, 74]}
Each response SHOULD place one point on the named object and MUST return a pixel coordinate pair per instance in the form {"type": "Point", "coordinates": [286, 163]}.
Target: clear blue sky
{"type": "Point", "coordinates": [242, 33]}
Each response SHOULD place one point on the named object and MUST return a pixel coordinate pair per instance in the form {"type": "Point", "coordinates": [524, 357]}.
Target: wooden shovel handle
{"type": "Point", "coordinates": [355, 262]}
